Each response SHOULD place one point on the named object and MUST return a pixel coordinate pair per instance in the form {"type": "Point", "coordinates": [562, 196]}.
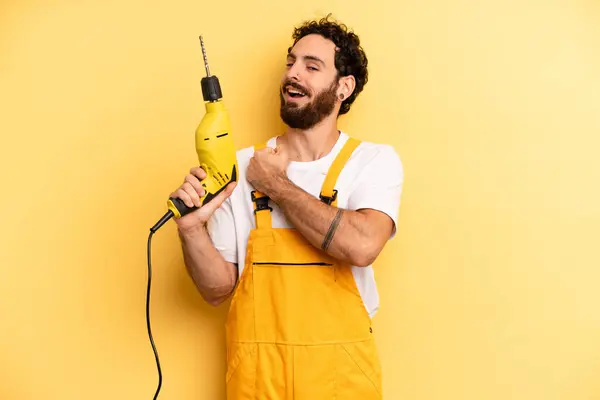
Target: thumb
{"type": "Point", "coordinates": [216, 202]}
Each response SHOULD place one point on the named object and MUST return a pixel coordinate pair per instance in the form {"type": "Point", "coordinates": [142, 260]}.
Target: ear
{"type": "Point", "coordinates": [346, 87]}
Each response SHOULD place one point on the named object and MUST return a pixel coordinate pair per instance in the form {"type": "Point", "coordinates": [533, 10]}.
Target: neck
{"type": "Point", "coordinates": [311, 144]}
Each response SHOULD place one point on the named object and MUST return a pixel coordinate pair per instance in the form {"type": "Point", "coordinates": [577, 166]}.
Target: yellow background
{"type": "Point", "coordinates": [490, 290]}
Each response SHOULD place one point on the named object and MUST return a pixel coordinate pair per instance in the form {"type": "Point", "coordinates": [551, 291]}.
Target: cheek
{"type": "Point", "coordinates": [317, 87]}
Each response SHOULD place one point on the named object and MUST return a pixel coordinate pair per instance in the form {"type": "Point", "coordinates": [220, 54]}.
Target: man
{"type": "Point", "coordinates": [293, 244]}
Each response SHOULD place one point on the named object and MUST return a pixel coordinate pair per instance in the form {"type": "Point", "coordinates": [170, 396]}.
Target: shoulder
{"type": "Point", "coordinates": [243, 158]}
{"type": "Point", "coordinates": [244, 154]}
{"type": "Point", "coordinates": [376, 154]}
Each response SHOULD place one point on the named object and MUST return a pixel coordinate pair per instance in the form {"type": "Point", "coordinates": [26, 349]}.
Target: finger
{"type": "Point", "coordinates": [193, 180]}
{"type": "Point", "coordinates": [198, 172]}
{"type": "Point", "coordinates": [216, 202]}
{"type": "Point", "coordinates": [230, 188]}
{"type": "Point", "coordinates": [191, 192]}
{"type": "Point", "coordinates": [183, 196]}
{"type": "Point", "coordinates": [264, 150]}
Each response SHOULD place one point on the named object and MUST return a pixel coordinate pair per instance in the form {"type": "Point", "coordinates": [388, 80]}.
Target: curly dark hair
{"type": "Point", "coordinates": [350, 58]}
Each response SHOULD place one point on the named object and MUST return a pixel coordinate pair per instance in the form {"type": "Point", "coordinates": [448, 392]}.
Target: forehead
{"type": "Point", "coordinates": [314, 46]}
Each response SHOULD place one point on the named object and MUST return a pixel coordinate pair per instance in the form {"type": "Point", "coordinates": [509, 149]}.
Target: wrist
{"type": "Point", "coordinates": [280, 188]}
{"type": "Point", "coordinates": [193, 231]}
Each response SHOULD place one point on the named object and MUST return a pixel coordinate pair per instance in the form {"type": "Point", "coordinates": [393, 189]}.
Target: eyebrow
{"type": "Point", "coordinates": [309, 57]}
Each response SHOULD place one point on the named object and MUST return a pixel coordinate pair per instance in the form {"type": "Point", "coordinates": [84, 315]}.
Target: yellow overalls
{"type": "Point", "coordinates": [297, 327]}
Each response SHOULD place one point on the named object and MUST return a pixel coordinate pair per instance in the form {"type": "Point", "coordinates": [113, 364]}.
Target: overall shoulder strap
{"type": "Point", "coordinates": [262, 211]}
{"type": "Point", "coordinates": [260, 146]}
{"type": "Point", "coordinates": [328, 193]}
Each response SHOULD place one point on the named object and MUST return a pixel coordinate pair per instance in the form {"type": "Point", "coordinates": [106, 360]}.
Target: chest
{"type": "Point", "coordinates": [309, 180]}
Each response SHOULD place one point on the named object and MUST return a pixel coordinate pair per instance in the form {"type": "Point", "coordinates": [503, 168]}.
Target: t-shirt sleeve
{"type": "Point", "coordinates": [379, 184]}
{"type": "Point", "coordinates": [221, 228]}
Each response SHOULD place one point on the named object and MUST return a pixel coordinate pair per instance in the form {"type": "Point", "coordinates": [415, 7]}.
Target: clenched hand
{"type": "Point", "coordinates": [267, 167]}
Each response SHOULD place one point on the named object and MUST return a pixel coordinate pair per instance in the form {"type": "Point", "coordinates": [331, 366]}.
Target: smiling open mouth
{"type": "Point", "coordinates": [293, 92]}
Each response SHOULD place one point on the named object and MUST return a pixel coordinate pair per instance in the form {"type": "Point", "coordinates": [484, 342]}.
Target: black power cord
{"type": "Point", "coordinates": [153, 230]}
{"type": "Point", "coordinates": [148, 315]}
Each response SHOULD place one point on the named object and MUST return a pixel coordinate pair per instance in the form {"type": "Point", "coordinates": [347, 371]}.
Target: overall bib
{"type": "Point", "coordinates": [297, 327]}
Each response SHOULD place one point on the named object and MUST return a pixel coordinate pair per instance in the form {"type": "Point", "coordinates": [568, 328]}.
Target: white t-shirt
{"type": "Point", "coordinates": [372, 178]}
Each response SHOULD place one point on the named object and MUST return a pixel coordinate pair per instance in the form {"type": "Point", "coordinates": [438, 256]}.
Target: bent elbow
{"type": "Point", "coordinates": [363, 261]}
{"type": "Point", "coordinates": [215, 300]}
{"type": "Point", "coordinates": [364, 256]}
{"type": "Point", "coordinates": [218, 293]}
{"type": "Point", "coordinates": [217, 297]}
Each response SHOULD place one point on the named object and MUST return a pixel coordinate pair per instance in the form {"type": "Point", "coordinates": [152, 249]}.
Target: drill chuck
{"type": "Point", "coordinates": [211, 88]}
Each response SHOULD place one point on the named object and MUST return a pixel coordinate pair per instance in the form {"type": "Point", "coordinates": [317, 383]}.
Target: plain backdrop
{"type": "Point", "coordinates": [488, 292]}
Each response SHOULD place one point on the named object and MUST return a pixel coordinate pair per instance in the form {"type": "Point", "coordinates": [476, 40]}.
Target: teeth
{"type": "Point", "coordinates": [293, 91]}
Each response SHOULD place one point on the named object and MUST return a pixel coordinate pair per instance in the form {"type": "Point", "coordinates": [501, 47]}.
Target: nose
{"type": "Point", "coordinates": [293, 72]}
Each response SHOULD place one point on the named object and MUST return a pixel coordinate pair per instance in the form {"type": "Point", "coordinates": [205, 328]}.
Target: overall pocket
{"type": "Point", "coordinates": [358, 372]}
{"type": "Point", "coordinates": [241, 371]}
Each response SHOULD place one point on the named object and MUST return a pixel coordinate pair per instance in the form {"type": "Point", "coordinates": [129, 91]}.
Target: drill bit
{"type": "Point", "coordinates": [204, 55]}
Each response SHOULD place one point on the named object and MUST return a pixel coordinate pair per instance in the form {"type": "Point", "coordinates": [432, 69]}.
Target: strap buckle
{"type": "Point", "coordinates": [328, 200]}
{"type": "Point", "coordinates": [262, 203]}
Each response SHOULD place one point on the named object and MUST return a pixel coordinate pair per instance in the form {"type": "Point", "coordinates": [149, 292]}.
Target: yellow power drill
{"type": "Point", "coordinates": [214, 146]}
{"type": "Point", "coordinates": [217, 156]}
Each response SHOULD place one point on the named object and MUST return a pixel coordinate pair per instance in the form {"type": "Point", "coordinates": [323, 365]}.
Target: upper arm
{"type": "Point", "coordinates": [379, 225]}
{"type": "Point", "coordinates": [376, 197]}
{"type": "Point", "coordinates": [222, 231]}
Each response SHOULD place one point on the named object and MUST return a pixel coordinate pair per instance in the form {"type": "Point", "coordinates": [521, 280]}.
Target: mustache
{"type": "Point", "coordinates": [296, 86]}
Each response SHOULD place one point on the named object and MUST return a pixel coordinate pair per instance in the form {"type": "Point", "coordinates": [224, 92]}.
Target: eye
{"type": "Point", "coordinates": [313, 68]}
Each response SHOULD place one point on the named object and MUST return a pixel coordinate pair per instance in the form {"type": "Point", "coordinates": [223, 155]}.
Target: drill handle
{"type": "Point", "coordinates": [179, 208]}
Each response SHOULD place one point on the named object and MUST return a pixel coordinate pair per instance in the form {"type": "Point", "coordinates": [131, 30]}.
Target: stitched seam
{"type": "Point", "coordinates": [255, 347]}
{"type": "Point", "coordinates": [300, 344]}
{"type": "Point", "coordinates": [362, 370]}
{"type": "Point", "coordinates": [336, 364]}
{"type": "Point", "coordinates": [239, 356]}
{"type": "Point", "coordinates": [293, 373]}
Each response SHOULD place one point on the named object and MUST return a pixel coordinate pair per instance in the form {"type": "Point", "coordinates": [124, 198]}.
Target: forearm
{"type": "Point", "coordinates": [214, 277]}
{"type": "Point", "coordinates": [340, 233]}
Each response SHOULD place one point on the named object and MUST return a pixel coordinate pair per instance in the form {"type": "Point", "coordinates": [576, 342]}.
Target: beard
{"type": "Point", "coordinates": [305, 117]}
